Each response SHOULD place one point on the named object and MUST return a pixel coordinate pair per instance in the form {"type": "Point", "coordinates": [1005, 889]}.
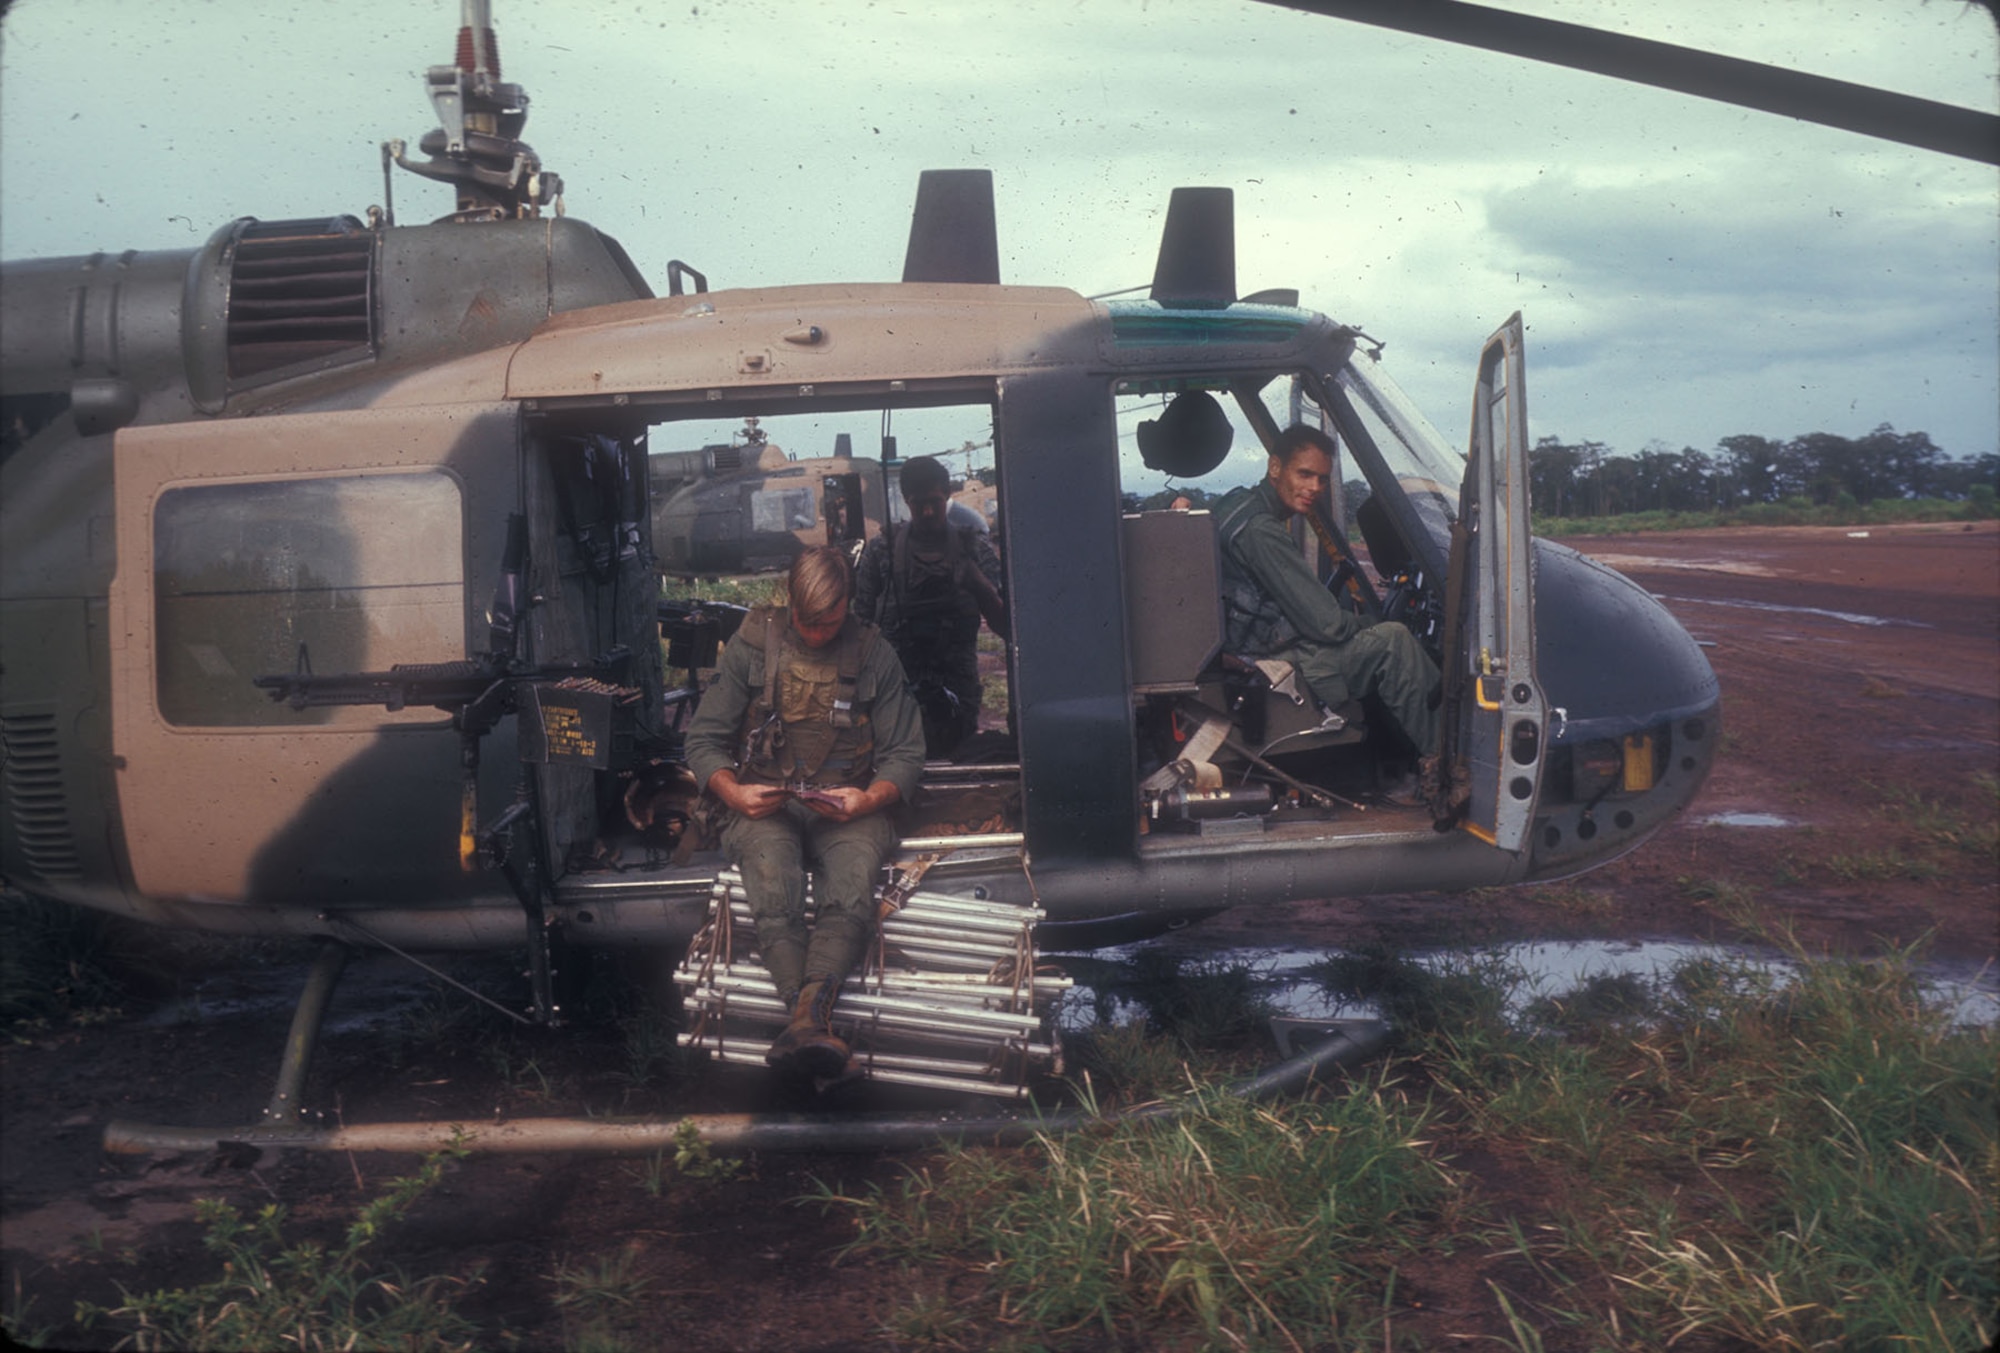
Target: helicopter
{"type": "Point", "coordinates": [333, 551]}
{"type": "Point", "coordinates": [745, 506]}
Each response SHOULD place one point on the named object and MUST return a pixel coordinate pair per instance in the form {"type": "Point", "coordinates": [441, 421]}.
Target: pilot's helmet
{"type": "Point", "coordinates": [1189, 439]}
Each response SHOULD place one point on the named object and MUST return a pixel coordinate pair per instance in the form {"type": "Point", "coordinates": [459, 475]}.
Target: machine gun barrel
{"type": "Point", "coordinates": [443, 685]}
{"type": "Point", "coordinates": [478, 691]}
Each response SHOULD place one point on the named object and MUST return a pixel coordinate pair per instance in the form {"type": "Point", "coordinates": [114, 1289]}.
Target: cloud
{"type": "Point", "coordinates": [1680, 263]}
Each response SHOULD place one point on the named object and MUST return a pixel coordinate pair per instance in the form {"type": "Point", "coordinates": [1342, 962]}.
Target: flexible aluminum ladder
{"type": "Point", "coordinates": [949, 996]}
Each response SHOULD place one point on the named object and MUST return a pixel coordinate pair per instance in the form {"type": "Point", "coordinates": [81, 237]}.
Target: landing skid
{"type": "Point", "coordinates": [992, 1031]}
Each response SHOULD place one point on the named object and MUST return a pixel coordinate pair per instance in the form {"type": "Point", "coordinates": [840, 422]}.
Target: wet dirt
{"type": "Point", "coordinates": [1861, 680]}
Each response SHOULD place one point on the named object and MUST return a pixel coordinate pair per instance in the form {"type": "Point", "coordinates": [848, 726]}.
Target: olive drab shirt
{"type": "Point", "coordinates": [1270, 599]}
{"type": "Point", "coordinates": [811, 729]}
{"type": "Point", "coordinates": [912, 591]}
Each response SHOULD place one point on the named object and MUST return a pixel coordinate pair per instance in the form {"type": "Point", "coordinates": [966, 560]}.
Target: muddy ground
{"type": "Point", "coordinates": [1861, 678]}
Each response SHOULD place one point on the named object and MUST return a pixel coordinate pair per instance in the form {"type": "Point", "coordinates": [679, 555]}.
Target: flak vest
{"type": "Point", "coordinates": [804, 724]}
{"type": "Point", "coordinates": [930, 607]}
{"type": "Point", "coordinates": [1253, 623]}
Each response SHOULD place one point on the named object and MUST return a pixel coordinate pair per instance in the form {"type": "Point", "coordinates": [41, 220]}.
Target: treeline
{"type": "Point", "coordinates": [1820, 476]}
{"type": "Point", "coordinates": [1819, 469]}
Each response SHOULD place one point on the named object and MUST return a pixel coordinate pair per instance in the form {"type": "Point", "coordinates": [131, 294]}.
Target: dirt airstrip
{"type": "Point", "coordinates": [1861, 680]}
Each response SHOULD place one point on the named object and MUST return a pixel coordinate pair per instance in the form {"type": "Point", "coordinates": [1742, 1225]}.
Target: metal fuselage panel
{"type": "Point", "coordinates": [249, 824]}
{"type": "Point", "coordinates": [801, 342]}
{"type": "Point", "coordinates": [228, 804]}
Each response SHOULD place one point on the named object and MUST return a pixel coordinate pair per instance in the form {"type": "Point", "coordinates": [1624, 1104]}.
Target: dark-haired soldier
{"type": "Point", "coordinates": [1274, 607]}
{"type": "Point", "coordinates": [806, 736]}
{"type": "Point", "coordinates": [927, 584]}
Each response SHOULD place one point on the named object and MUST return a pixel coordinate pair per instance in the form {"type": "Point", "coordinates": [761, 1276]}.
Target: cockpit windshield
{"type": "Point", "coordinates": [1400, 455]}
{"type": "Point", "coordinates": [1412, 447]}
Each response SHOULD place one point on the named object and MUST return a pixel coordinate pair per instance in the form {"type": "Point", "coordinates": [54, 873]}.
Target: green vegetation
{"type": "Point", "coordinates": [762, 590]}
{"type": "Point", "coordinates": [767, 589]}
{"type": "Point", "coordinates": [1818, 478]}
{"type": "Point", "coordinates": [1728, 1156]}
{"type": "Point", "coordinates": [1245, 1224]}
{"type": "Point", "coordinates": [1791, 512]}
{"type": "Point", "coordinates": [600, 1304]}
{"type": "Point", "coordinates": [693, 1158]}
{"type": "Point", "coordinates": [303, 1296]}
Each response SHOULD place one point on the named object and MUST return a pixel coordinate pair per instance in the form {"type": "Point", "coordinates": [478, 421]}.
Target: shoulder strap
{"type": "Point", "coordinates": [1239, 517]}
{"type": "Point", "coordinates": [899, 562]}
{"type": "Point", "coordinates": [857, 641]}
{"type": "Point", "coordinates": [775, 620]}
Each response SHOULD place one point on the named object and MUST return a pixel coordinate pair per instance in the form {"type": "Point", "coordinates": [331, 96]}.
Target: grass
{"type": "Point", "coordinates": [1245, 1224]}
{"type": "Point", "coordinates": [269, 1294]}
{"type": "Point", "coordinates": [1943, 828]}
{"type": "Point", "coordinates": [1880, 865]}
{"type": "Point", "coordinates": [1571, 899]}
{"type": "Point", "coordinates": [1163, 1013]}
{"type": "Point", "coordinates": [759, 590]}
{"type": "Point", "coordinates": [18, 1322]}
{"type": "Point", "coordinates": [601, 1303]}
{"type": "Point", "coordinates": [1789, 1156]}
{"type": "Point", "coordinates": [1791, 512]}
{"type": "Point", "coordinates": [1784, 1156]}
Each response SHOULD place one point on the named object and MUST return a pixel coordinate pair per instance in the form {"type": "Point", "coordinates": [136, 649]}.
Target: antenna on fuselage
{"type": "Point", "coordinates": [478, 150]}
{"type": "Point", "coordinates": [953, 237]}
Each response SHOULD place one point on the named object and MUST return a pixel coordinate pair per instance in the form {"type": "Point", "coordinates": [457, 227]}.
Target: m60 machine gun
{"type": "Point", "coordinates": [569, 713]}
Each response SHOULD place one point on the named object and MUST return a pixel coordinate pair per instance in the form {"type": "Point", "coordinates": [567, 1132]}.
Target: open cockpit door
{"type": "Point", "coordinates": [1494, 705]}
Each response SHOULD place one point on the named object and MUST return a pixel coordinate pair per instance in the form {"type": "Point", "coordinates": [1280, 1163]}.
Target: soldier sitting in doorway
{"type": "Point", "coordinates": [927, 584]}
{"type": "Point", "coordinates": [807, 736]}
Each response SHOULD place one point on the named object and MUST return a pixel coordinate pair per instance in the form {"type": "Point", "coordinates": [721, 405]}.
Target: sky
{"type": "Point", "coordinates": [1686, 270]}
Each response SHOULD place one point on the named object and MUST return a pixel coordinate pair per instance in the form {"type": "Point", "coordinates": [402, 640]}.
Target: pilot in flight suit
{"type": "Point", "coordinates": [1275, 608]}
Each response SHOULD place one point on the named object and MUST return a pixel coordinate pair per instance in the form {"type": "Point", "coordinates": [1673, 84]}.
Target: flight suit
{"type": "Point", "coordinates": [838, 715]}
{"type": "Point", "coordinates": [915, 593]}
{"type": "Point", "coordinates": [1273, 607]}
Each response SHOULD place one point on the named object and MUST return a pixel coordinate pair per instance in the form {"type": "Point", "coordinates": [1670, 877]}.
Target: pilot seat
{"type": "Point", "coordinates": [1208, 716]}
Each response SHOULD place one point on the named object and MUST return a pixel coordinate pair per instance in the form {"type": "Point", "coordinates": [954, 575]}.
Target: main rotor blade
{"type": "Point", "coordinates": [1942, 127]}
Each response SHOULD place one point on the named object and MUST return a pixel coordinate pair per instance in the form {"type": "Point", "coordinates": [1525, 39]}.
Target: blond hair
{"type": "Point", "coordinates": [820, 581]}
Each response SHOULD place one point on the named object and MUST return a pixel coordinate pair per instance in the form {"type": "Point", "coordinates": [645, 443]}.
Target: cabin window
{"type": "Point", "coordinates": [783, 510]}
{"type": "Point", "coordinates": [365, 571]}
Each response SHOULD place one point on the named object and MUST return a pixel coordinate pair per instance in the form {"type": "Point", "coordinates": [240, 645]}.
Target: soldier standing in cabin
{"type": "Point", "coordinates": [927, 584]}
{"type": "Point", "coordinates": [808, 736]}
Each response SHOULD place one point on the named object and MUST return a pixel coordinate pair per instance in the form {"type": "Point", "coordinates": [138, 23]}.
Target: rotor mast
{"type": "Point", "coordinates": [478, 149]}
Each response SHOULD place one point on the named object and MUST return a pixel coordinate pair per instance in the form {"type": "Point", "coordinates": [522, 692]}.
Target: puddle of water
{"type": "Point", "coordinates": [1849, 617]}
{"type": "Point", "coordinates": [1746, 820]}
{"type": "Point", "coordinates": [1286, 978]}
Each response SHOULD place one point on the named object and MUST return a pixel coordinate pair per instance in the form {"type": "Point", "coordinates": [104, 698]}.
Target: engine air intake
{"type": "Point", "coordinates": [300, 292]}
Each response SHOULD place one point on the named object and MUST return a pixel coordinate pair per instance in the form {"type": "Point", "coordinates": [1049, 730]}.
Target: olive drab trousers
{"type": "Point", "coordinates": [773, 852]}
{"type": "Point", "coordinates": [1385, 661]}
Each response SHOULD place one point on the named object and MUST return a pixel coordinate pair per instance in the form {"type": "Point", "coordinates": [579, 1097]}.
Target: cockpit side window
{"type": "Point", "coordinates": [360, 572]}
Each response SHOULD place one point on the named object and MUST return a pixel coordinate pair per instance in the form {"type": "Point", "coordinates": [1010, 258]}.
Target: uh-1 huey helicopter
{"type": "Point", "coordinates": [331, 599]}
{"type": "Point", "coordinates": [747, 506]}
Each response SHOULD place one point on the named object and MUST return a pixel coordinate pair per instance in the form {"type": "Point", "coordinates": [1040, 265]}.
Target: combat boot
{"type": "Point", "coordinates": [809, 1044]}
